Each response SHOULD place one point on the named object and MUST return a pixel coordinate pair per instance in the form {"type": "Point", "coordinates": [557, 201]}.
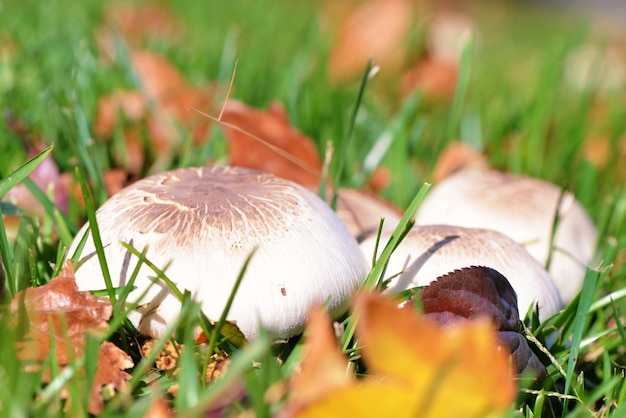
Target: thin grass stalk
{"type": "Point", "coordinates": [556, 220]}
{"type": "Point", "coordinates": [580, 321]}
{"type": "Point", "coordinates": [188, 377]}
{"type": "Point", "coordinates": [23, 171]}
{"type": "Point", "coordinates": [89, 163]}
{"type": "Point", "coordinates": [8, 264]}
{"type": "Point", "coordinates": [462, 83]}
{"type": "Point", "coordinates": [378, 269]}
{"type": "Point", "coordinates": [340, 157]}
{"type": "Point", "coordinates": [63, 226]}
{"type": "Point", "coordinates": [240, 365]}
{"type": "Point", "coordinates": [95, 234]}
{"type": "Point", "coordinates": [220, 323]}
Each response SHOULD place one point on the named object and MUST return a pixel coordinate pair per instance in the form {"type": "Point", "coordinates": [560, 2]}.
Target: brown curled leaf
{"type": "Point", "coordinates": [266, 141]}
{"type": "Point", "coordinates": [475, 292]}
{"type": "Point", "coordinates": [59, 315]}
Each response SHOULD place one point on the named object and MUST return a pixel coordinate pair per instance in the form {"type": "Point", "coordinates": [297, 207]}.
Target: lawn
{"type": "Point", "coordinates": [517, 91]}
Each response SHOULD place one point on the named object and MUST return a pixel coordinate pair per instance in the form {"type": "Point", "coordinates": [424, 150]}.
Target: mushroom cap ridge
{"type": "Point", "coordinates": [200, 224]}
{"type": "Point", "coordinates": [430, 251]}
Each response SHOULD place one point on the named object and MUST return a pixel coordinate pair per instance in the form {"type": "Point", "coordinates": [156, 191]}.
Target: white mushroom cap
{"type": "Point", "coordinates": [522, 208]}
{"type": "Point", "coordinates": [361, 212]}
{"type": "Point", "coordinates": [202, 223]}
{"type": "Point", "coordinates": [428, 252]}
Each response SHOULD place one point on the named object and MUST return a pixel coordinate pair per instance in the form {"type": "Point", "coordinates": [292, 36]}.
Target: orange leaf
{"type": "Point", "coordinates": [266, 141]}
{"type": "Point", "coordinates": [171, 98]}
{"type": "Point", "coordinates": [158, 77]}
{"type": "Point", "coordinates": [129, 103]}
{"type": "Point", "coordinates": [436, 78]}
{"type": "Point", "coordinates": [59, 314]}
{"type": "Point", "coordinates": [159, 409]}
{"type": "Point", "coordinates": [116, 179]}
{"type": "Point", "coordinates": [161, 107]}
{"type": "Point", "coordinates": [455, 157]}
{"type": "Point", "coordinates": [462, 368]}
{"type": "Point", "coordinates": [324, 368]}
{"type": "Point", "coordinates": [415, 368]}
{"type": "Point", "coordinates": [377, 29]}
{"type": "Point", "coordinates": [136, 23]}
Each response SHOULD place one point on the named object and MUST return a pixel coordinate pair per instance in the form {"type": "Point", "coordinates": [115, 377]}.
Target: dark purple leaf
{"type": "Point", "coordinates": [482, 292]}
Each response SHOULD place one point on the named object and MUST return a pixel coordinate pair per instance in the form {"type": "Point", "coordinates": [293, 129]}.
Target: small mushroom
{"type": "Point", "coordinates": [200, 224]}
{"type": "Point", "coordinates": [361, 212]}
{"type": "Point", "coordinates": [522, 208]}
{"type": "Point", "coordinates": [431, 251]}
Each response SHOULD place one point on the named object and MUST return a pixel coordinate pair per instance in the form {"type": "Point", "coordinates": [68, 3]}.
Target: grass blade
{"type": "Point", "coordinates": [409, 215]}
{"type": "Point", "coordinates": [8, 265]}
{"type": "Point", "coordinates": [343, 149]}
{"type": "Point", "coordinates": [188, 377]}
{"type": "Point", "coordinates": [64, 228]}
{"type": "Point", "coordinates": [220, 323]}
{"type": "Point", "coordinates": [23, 171]}
{"type": "Point", "coordinates": [83, 144]}
{"type": "Point", "coordinates": [240, 364]}
{"type": "Point", "coordinates": [452, 122]}
{"type": "Point", "coordinates": [95, 234]}
{"type": "Point", "coordinates": [378, 270]}
{"type": "Point", "coordinates": [584, 303]}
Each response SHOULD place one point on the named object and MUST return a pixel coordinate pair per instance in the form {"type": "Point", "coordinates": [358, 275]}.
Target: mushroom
{"type": "Point", "coordinates": [524, 209]}
{"type": "Point", "coordinates": [200, 224]}
{"type": "Point", "coordinates": [361, 212]}
{"type": "Point", "coordinates": [431, 251]}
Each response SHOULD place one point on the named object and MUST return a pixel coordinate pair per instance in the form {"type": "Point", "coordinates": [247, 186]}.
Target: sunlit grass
{"type": "Point", "coordinates": [512, 102]}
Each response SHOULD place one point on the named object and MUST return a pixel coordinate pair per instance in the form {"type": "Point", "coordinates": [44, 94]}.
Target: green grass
{"type": "Point", "coordinates": [512, 102]}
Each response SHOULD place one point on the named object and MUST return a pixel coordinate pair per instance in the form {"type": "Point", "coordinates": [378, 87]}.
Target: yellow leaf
{"type": "Point", "coordinates": [461, 366]}
{"type": "Point", "coordinates": [416, 368]}
{"type": "Point", "coordinates": [325, 367]}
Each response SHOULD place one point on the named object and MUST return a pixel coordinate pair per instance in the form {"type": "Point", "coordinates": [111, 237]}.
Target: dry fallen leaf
{"type": "Point", "coordinates": [324, 368]}
{"type": "Point", "coordinates": [11, 228]}
{"type": "Point", "coordinates": [129, 103]}
{"type": "Point", "coordinates": [376, 29]}
{"type": "Point", "coordinates": [137, 23]}
{"type": "Point", "coordinates": [455, 157]}
{"type": "Point", "coordinates": [278, 147]}
{"type": "Point", "coordinates": [436, 78]}
{"type": "Point", "coordinates": [604, 152]}
{"type": "Point", "coordinates": [159, 109]}
{"type": "Point", "coordinates": [415, 368]}
{"type": "Point", "coordinates": [159, 409]}
{"type": "Point", "coordinates": [594, 67]}
{"type": "Point", "coordinates": [171, 99]}
{"type": "Point", "coordinates": [482, 292]}
{"type": "Point", "coordinates": [116, 179]}
{"type": "Point", "coordinates": [59, 315]}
